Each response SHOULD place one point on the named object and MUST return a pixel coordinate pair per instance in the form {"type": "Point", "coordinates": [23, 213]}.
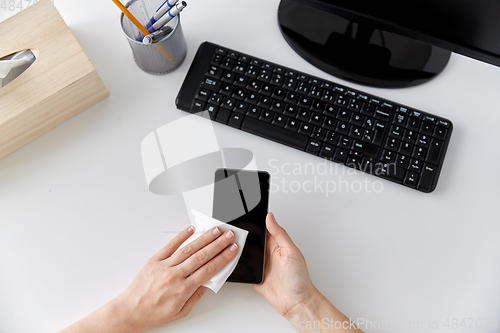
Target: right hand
{"type": "Point", "coordinates": [287, 285]}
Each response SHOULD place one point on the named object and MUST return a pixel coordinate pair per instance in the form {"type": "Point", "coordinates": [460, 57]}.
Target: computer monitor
{"type": "Point", "coordinates": [389, 43]}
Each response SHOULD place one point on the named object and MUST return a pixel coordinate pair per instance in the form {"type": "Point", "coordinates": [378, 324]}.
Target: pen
{"type": "Point", "coordinates": [173, 12]}
{"type": "Point", "coordinates": [160, 11]}
{"type": "Point", "coordinates": [139, 26]}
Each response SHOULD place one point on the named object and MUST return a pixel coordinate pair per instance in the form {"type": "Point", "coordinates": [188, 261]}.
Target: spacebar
{"type": "Point", "coordinates": [275, 133]}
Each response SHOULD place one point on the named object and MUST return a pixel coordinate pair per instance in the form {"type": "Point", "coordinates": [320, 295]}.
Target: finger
{"type": "Point", "coordinates": [197, 295]}
{"type": "Point", "coordinates": [193, 247]}
{"type": "Point", "coordinates": [205, 272]}
{"type": "Point", "coordinates": [174, 244]}
{"type": "Point", "coordinates": [281, 236]}
{"type": "Point", "coordinates": [206, 254]}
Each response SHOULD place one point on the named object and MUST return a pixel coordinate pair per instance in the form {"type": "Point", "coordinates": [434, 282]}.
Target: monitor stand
{"type": "Point", "coordinates": [358, 52]}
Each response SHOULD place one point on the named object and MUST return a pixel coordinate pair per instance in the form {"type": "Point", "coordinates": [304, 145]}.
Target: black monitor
{"type": "Point", "coordinates": [389, 43]}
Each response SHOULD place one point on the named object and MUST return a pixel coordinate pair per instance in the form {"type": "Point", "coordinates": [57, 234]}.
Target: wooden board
{"type": "Point", "coordinates": [58, 85]}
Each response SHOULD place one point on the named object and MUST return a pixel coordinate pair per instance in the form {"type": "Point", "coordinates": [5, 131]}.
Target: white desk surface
{"type": "Point", "coordinates": [77, 221]}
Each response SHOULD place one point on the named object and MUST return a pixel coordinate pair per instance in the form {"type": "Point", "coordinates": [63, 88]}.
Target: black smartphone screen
{"type": "Point", "coordinates": [241, 199]}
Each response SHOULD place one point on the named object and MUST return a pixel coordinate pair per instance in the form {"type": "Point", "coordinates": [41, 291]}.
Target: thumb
{"type": "Point", "coordinates": [281, 236]}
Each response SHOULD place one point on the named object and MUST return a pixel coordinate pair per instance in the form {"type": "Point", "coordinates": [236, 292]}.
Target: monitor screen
{"type": "Point", "coordinates": [469, 27]}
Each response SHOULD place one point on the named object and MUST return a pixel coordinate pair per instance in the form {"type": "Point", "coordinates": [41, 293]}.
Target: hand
{"type": "Point", "coordinates": [287, 285]}
{"type": "Point", "coordinates": [168, 286]}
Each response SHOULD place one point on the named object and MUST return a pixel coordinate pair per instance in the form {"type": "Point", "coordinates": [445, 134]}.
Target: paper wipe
{"type": "Point", "coordinates": [203, 223]}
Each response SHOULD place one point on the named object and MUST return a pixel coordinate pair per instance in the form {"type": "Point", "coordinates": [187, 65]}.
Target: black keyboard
{"type": "Point", "coordinates": [317, 116]}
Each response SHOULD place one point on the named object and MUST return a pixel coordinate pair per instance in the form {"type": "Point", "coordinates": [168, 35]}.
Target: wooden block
{"type": "Point", "coordinates": [59, 84]}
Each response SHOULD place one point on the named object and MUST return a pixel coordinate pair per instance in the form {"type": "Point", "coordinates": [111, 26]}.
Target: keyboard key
{"type": "Point", "coordinates": [382, 115]}
{"type": "Point", "coordinates": [413, 124]}
{"type": "Point", "coordinates": [266, 116]}
{"type": "Point", "coordinates": [278, 106]}
{"type": "Point", "coordinates": [343, 114]}
{"type": "Point", "coordinates": [415, 165]}
{"type": "Point", "coordinates": [392, 144]}
{"type": "Point", "coordinates": [264, 102]}
{"type": "Point", "coordinates": [226, 89]}
{"type": "Point", "coordinates": [368, 109]}
{"type": "Point", "coordinates": [329, 123]}
{"type": "Point", "coordinates": [292, 97]}
{"type": "Point", "coordinates": [290, 83]}
{"type": "Point", "coordinates": [266, 89]}
{"type": "Point", "coordinates": [198, 106]}
{"type": "Point", "coordinates": [332, 138]}
{"type": "Point", "coordinates": [399, 119]}
{"type": "Point", "coordinates": [419, 153]}
{"type": "Point", "coordinates": [279, 93]}
{"type": "Point", "coordinates": [305, 129]}
{"type": "Point", "coordinates": [356, 119]}
{"type": "Point", "coordinates": [427, 178]}
{"type": "Point", "coordinates": [203, 95]}
{"type": "Point", "coordinates": [211, 84]}
{"type": "Point", "coordinates": [340, 155]}
{"type": "Point", "coordinates": [316, 119]}
{"type": "Point", "coordinates": [291, 111]}
{"type": "Point", "coordinates": [396, 132]}
{"type": "Point", "coordinates": [223, 116]}
{"type": "Point", "coordinates": [228, 103]}
{"type": "Point", "coordinates": [423, 140]}
{"type": "Point", "coordinates": [405, 148]}
{"type": "Point", "coordinates": [356, 133]}
{"type": "Point", "coordinates": [212, 111]}
{"type": "Point", "coordinates": [411, 179]}
{"type": "Point", "coordinates": [388, 156]}
{"type": "Point", "coordinates": [426, 128]}
{"type": "Point", "coordinates": [366, 149]}
{"type": "Point", "coordinates": [353, 162]}
{"type": "Point", "coordinates": [409, 136]}
{"type": "Point", "coordinates": [369, 123]}
{"type": "Point", "coordinates": [440, 132]}
{"type": "Point", "coordinates": [345, 143]}
{"type": "Point", "coordinates": [305, 102]}
{"type": "Point", "coordinates": [327, 151]}
{"type": "Point", "coordinates": [275, 133]}
{"type": "Point", "coordinates": [330, 110]}
{"type": "Point", "coordinates": [402, 161]}
{"type": "Point", "coordinates": [228, 77]}
{"type": "Point", "coordinates": [241, 108]}
{"type": "Point", "coordinates": [435, 148]}
{"type": "Point", "coordinates": [254, 112]}
{"type": "Point", "coordinates": [279, 120]}
{"type": "Point", "coordinates": [342, 128]}
{"type": "Point", "coordinates": [390, 171]}
{"type": "Point", "coordinates": [215, 72]}
{"type": "Point", "coordinates": [236, 120]}
{"type": "Point", "coordinates": [215, 98]}
{"type": "Point", "coordinates": [314, 146]}
{"type": "Point", "coordinates": [304, 115]}
{"type": "Point", "coordinates": [292, 125]}
{"type": "Point", "coordinates": [317, 106]}
{"type": "Point", "coordinates": [318, 133]}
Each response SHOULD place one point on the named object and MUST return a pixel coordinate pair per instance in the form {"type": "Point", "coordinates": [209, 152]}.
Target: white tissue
{"type": "Point", "coordinates": [15, 66]}
{"type": "Point", "coordinates": [203, 223]}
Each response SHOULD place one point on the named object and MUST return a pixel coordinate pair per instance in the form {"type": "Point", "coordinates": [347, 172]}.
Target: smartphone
{"type": "Point", "coordinates": [241, 198]}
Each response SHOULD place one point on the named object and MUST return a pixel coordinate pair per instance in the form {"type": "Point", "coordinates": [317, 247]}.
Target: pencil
{"type": "Point", "coordinates": [143, 30]}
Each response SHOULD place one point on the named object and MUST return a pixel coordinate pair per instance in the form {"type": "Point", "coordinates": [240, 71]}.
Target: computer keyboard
{"type": "Point", "coordinates": [320, 117]}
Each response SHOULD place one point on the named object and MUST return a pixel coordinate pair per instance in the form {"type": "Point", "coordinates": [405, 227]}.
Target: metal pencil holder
{"type": "Point", "coordinates": [162, 57]}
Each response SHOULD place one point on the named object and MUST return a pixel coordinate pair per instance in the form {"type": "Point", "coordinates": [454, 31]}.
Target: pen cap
{"type": "Point", "coordinates": [162, 57]}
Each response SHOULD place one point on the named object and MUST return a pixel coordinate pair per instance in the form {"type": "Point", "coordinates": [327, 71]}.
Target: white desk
{"type": "Point", "coordinates": [77, 221]}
